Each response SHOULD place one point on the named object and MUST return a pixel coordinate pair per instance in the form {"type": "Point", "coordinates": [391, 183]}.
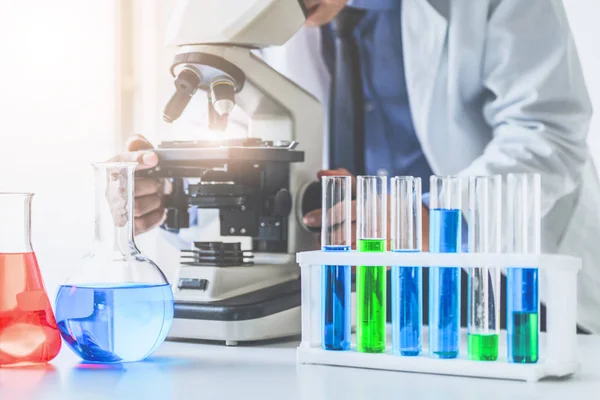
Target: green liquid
{"type": "Point", "coordinates": [370, 301]}
{"type": "Point", "coordinates": [525, 338]}
{"type": "Point", "coordinates": [483, 347]}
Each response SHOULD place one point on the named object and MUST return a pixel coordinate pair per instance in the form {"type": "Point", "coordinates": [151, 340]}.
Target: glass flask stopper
{"type": "Point", "coordinates": [28, 330]}
{"type": "Point", "coordinates": [118, 306]}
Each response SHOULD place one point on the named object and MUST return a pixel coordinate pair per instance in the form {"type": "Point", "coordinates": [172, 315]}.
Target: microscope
{"type": "Point", "coordinates": [260, 184]}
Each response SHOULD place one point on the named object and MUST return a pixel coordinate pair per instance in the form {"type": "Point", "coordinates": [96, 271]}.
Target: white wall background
{"type": "Point", "coordinates": [57, 115]}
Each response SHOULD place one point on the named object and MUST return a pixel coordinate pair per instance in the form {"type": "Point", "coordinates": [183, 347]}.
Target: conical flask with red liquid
{"type": "Point", "coordinates": [28, 330]}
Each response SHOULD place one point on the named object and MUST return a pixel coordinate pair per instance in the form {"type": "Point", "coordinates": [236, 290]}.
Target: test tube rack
{"type": "Point", "coordinates": [558, 278]}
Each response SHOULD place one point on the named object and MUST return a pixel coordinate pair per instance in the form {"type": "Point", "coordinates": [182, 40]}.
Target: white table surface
{"type": "Point", "coordinates": [209, 371]}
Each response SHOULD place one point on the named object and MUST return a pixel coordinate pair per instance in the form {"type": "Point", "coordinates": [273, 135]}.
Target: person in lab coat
{"type": "Point", "coordinates": [459, 87]}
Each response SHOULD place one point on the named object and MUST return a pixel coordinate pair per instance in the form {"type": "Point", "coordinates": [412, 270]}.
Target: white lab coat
{"type": "Point", "coordinates": [495, 86]}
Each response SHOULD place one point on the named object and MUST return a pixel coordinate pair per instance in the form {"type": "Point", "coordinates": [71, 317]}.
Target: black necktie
{"type": "Point", "coordinates": [346, 119]}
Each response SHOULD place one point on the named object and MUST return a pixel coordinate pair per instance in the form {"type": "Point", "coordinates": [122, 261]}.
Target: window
{"type": "Point", "coordinates": [58, 114]}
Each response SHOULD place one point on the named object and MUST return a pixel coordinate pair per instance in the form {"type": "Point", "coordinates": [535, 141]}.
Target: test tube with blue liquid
{"type": "Point", "coordinates": [524, 228]}
{"type": "Point", "coordinates": [336, 235]}
{"type": "Point", "coordinates": [485, 230]}
{"type": "Point", "coordinates": [407, 281]}
{"type": "Point", "coordinates": [445, 219]}
{"type": "Point", "coordinates": [371, 235]}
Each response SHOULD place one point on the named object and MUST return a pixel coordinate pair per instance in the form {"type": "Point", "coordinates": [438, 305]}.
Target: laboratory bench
{"type": "Point", "coordinates": [269, 371]}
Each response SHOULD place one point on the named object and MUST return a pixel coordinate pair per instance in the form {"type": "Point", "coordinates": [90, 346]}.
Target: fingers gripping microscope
{"type": "Point", "coordinates": [222, 291]}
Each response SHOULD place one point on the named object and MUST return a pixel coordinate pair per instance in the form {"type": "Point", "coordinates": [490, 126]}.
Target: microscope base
{"type": "Point", "coordinates": [269, 313]}
{"type": "Point", "coordinates": [232, 333]}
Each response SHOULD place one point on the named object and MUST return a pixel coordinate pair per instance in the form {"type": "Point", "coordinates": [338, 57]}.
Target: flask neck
{"type": "Point", "coordinates": [114, 208]}
{"type": "Point", "coordinates": [15, 218]}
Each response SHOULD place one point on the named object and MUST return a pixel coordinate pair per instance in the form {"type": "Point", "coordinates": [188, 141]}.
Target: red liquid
{"type": "Point", "coordinates": [28, 331]}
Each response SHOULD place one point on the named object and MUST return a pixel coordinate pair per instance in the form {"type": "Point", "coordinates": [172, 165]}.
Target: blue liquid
{"type": "Point", "coordinates": [407, 310]}
{"type": "Point", "coordinates": [444, 285]}
{"type": "Point", "coordinates": [336, 304]}
{"type": "Point", "coordinates": [522, 311]}
{"type": "Point", "coordinates": [114, 323]}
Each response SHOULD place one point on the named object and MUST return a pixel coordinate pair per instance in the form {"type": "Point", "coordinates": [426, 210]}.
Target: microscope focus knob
{"type": "Point", "coordinates": [310, 201]}
{"type": "Point", "coordinates": [283, 203]}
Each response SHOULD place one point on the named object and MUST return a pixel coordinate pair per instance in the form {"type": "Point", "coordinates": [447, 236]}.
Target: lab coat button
{"type": "Point", "coordinates": [369, 106]}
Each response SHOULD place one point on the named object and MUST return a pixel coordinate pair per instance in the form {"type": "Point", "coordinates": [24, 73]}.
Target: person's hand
{"type": "Point", "coordinates": [149, 210]}
{"type": "Point", "coordinates": [313, 218]}
{"type": "Point", "coordinates": [321, 12]}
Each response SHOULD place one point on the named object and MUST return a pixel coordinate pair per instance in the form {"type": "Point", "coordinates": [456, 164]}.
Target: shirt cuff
{"type": "Point", "coordinates": [464, 232]}
{"type": "Point", "coordinates": [374, 4]}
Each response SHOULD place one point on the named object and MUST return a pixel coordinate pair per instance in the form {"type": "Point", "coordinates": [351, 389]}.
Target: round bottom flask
{"type": "Point", "coordinates": [118, 306]}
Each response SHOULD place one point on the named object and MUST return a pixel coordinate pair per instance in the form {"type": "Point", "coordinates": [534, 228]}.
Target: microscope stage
{"type": "Point", "coordinates": [254, 154]}
{"type": "Point", "coordinates": [189, 159]}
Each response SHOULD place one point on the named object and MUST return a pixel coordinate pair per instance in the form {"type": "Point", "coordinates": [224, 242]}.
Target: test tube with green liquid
{"type": "Point", "coordinates": [371, 235]}
{"type": "Point", "coordinates": [484, 234]}
{"type": "Point", "coordinates": [524, 236]}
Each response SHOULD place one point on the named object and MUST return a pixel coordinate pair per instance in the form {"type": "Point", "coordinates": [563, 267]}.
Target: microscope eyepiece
{"type": "Point", "coordinates": [186, 84]}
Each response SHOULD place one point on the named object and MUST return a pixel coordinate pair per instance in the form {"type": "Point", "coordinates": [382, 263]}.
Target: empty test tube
{"type": "Point", "coordinates": [336, 235]}
{"type": "Point", "coordinates": [407, 293]}
{"type": "Point", "coordinates": [371, 235]}
{"type": "Point", "coordinates": [522, 308]}
{"type": "Point", "coordinates": [445, 219]}
{"type": "Point", "coordinates": [485, 219]}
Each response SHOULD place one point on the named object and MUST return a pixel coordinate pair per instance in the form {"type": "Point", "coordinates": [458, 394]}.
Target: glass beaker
{"type": "Point", "coordinates": [118, 306]}
{"type": "Point", "coordinates": [28, 331]}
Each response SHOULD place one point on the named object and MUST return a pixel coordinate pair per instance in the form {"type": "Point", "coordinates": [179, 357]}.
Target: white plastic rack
{"type": "Point", "coordinates": [558, 279]}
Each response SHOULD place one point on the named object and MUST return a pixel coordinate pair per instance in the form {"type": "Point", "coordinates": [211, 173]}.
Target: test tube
{"type": "Point", "coordinates": [336, 235]}
{"type": "Point", "coordinates": [524, 226]}
{"type": "Point", "coordinates": [485, 223]}
{"type": "Point", "coordinates": [445, 219]}
{"type": "Point", "coordinates": [407, 293]}
{"type": "Point", "coordinates": [371, 235]}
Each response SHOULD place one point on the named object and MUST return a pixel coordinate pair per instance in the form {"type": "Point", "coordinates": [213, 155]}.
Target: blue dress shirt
{"type": "Point", "coordinates": [392, 147]}
{"type": "Point", "coordinates": [391, 144]}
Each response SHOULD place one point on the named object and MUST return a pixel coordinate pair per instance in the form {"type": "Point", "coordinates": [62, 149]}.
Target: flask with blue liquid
{"type": "Point", "coordinates": [118, 306]}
